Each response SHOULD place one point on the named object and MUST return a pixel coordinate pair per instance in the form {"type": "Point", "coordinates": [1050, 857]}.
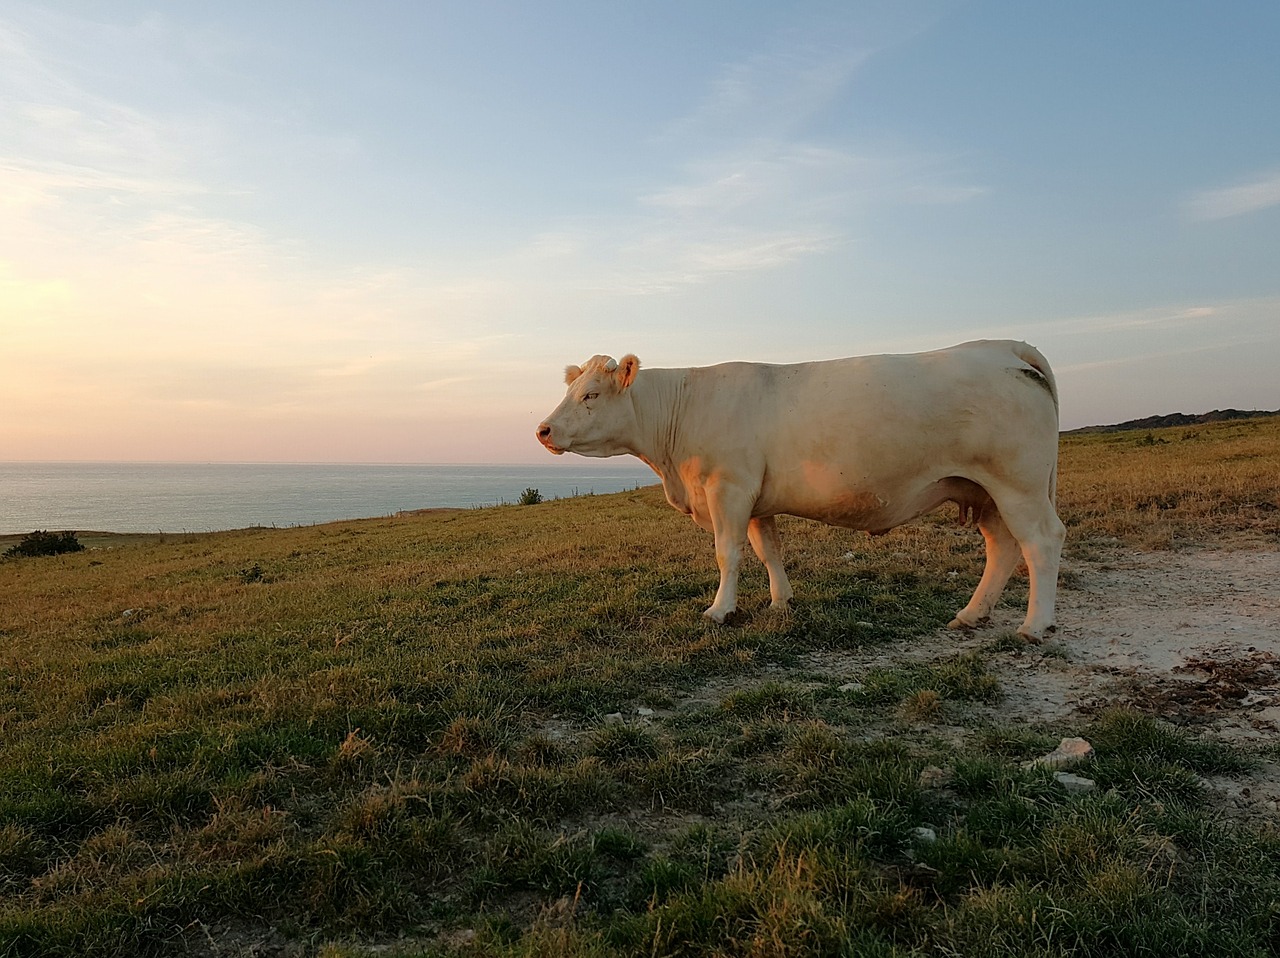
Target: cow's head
{"type": "Point", "coordinates": [596, 417]}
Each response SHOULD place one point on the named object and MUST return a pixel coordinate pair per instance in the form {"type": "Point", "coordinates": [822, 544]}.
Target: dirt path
{"type": "Point", "coordinates": [1192, 635]}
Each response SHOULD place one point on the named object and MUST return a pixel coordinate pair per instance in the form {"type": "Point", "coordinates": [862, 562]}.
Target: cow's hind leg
{"type": "Point", "coordinates": [1002, 557]}
{"type": "Point", "coordinates": [1040, 534]}
{"type": "Point", "coordinates": [763, 534]}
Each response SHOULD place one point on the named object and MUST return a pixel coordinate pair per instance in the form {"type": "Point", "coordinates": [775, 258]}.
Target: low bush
{"type": "Point", "coordinates": [45, 544]}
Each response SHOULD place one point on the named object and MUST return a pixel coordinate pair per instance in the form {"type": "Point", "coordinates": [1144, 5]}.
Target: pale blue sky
{"type": "Point", "coordinates": [378, 231]}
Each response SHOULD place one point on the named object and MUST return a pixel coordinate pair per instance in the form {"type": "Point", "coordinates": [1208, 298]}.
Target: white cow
{"type": "Point", "coordinates": [866, 443]}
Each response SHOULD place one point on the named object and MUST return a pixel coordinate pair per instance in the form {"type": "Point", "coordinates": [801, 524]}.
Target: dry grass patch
{"type": "Point", "coordinates": [1173, 486]}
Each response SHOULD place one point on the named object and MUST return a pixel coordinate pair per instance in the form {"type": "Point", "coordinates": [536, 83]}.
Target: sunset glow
{"type": "Point", "coordinates": [345, 233]}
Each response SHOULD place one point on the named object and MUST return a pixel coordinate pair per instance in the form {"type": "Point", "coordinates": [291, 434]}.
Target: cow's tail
{"type": "Point", "coordinates": [1035, 359]}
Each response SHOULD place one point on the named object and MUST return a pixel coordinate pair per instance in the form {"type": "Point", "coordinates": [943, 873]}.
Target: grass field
{"type": "Point", "coordinates": [509, 731]}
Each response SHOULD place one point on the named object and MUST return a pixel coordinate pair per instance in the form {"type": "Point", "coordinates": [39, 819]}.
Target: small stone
{"type": "Point", "coordinates": [851, 687]}
{"type": "Point", "coordinates": [644, 712]}
{"type": "Point", "coordinates": [1070, 751]}
{"type": "Point", "coordinates": [464, 936]}
{"type": "Point", "coordinates": [1166, 849]}
{"type": "Point", "coordinates": [613, 718]}
{"type": "Point", "coordinates": [933, 777]}
{"type": "Point", "coordinates": [1075, 784]}
{"type": "Point", "coordinates": [922, 833]}
{"type": "Point", "coordinates": [559, 912]}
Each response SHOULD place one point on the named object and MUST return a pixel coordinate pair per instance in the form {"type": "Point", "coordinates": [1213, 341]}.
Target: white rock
{"type": "Point", "coordinates": [1075, 784]}
{"type": "Point", "coordinates": [851, 687]}
{"type": "Point", "coordinates": [645, 712]}
{"type": "Point", "coordinates": [923, 833]}
{"type": "Point", "coordinates": [933, 777]}
{"type": "Point", "coordinates": [613, 718]}
{"type": "Point", "coordinates": [1070, 751]}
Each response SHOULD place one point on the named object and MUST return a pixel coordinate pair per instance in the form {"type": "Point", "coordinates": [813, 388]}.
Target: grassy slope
{"type": "Point", "coordinates": [398, 730]}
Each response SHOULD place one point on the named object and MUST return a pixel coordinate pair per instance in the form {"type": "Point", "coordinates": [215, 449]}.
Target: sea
{"type": "Point", "coordinates": [207, 497]}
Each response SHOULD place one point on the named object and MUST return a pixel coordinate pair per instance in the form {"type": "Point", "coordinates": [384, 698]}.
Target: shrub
{"type": "Point", "coordinates": [252, 573]}
{"type": "Point", "coordinates": [46, 544]}
{"type": "Point", "coordinates": [530, 497]}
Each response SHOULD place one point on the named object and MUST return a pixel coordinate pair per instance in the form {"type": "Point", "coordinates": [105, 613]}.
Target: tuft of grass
{"type": "Point", "coordinates": [1152, 761]}
{"type": "Point", "coordinates": [772, 700]}
{"type": "Point", "coordinates": [923, 705]}
{"type": "Point", "coordinates": [1129, 736]}
{"type": "Point", "coordinates": [615, 744]}
{"type": "Point", "coordinates": [962, 678]}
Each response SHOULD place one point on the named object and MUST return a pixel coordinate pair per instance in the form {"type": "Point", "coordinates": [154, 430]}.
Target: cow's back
{"type": "Point", "coordinates": [854, 441]}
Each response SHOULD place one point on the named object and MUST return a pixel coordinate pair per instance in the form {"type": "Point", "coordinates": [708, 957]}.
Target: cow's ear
{"type": "Point", "coordinates": [571, 373]}
{"type": "Point", "coordinates": [627, 370]}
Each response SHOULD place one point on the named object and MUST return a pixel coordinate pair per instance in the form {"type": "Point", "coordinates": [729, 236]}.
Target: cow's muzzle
{"type": "Point", "coordinates": [544, 437]}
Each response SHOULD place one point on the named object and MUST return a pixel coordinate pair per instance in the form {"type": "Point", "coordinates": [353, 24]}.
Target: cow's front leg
{"type": "Point", "coordinates": [730, 513]}
{"type": "Point", "coordinates": [763, 533]}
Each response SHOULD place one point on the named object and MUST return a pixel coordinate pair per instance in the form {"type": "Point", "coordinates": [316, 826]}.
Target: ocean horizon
{"type": "Point", "coordinates": [177, 497]}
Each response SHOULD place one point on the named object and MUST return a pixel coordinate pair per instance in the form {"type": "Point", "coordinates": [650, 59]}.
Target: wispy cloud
{"type": "Point", "coordinates": [760, 177]}
{"type": "Point", "coordinates": [1133, 337]}
{"type": "Point", "coordinates": [1259, 193]}
{"type": "Point", "coordinates": [57, 116]}
{"type": "Point", "coordinates": [772, 94]}
{"type": "Point", "coordinates": [1191, 357]}
{"type": "Point", "coordinates": [663, 262]}
{"type": "Point", "coordinates": [27, 183]}
{"type": "Point", "coordinates": [760, 208]}
{"type": "Point", "coordinates": [751, 182]}
{"type": "Point", "coordinates": [1162, 317]}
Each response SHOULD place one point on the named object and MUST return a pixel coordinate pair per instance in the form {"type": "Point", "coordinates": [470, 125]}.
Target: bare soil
{"type": "Point", "coordinates": [1191, 637]}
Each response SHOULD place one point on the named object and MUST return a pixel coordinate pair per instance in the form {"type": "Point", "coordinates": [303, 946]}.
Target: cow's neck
{"type": "Point", "coordinates": [658, 395]}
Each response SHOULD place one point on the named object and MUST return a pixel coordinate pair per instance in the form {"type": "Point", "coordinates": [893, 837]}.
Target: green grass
{"type": "Point", "coordinates": [510, 732]}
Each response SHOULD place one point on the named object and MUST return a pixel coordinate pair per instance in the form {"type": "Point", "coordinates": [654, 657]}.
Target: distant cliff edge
{"type": "Point", "coordinates": [1177, 419]}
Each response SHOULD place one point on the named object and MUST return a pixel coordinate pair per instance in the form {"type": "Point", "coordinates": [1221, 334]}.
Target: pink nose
{"type": "Point", "coordinates": [544, 432]}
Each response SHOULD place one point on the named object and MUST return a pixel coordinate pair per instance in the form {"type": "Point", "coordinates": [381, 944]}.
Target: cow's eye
{"type": "Point", "coordinates": [590, 396]}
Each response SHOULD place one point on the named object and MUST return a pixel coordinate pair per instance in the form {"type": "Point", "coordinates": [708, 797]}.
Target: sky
{"type": "Point", "coordinates": [311, 231]}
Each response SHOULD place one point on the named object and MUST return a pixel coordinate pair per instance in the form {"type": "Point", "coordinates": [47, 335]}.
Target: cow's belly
{"type": "Point", "coordinates": [865, 504]}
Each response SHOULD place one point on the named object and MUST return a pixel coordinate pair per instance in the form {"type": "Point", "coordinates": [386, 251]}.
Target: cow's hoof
{"type": "Point", "coordinates": [717, 616]}
{"type": "Point", "coordinates": [1036, 636]}
{"type": "Point", "coordinates": [960, 624]}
